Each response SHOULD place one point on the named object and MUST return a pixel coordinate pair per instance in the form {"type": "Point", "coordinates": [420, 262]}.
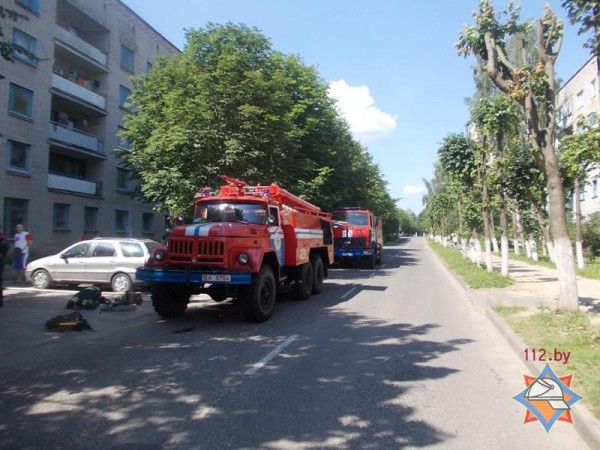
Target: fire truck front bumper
{"type": "Point", "coordinates": [353, 253]}
{"type": "Point", "coordinates": [189, 276]}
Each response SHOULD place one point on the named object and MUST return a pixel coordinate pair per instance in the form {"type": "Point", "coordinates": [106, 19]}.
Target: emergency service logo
{"type": "Point", "coordinates": [548, 398]}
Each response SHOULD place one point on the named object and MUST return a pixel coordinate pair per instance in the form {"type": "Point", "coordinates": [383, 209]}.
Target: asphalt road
{"type": "Point", "coordinates": [389, 358]}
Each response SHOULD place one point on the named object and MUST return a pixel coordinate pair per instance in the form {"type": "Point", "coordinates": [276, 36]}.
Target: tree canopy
{"type": "Point", "coordinates": [231, 104]}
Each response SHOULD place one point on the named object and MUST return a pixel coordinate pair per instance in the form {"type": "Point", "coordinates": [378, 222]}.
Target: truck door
{"type": "Point", "coordinates": [276, 233]}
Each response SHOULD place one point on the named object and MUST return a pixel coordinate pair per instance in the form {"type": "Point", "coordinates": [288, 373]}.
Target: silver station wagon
{"type": "Point", "coordinates": [102, 261]}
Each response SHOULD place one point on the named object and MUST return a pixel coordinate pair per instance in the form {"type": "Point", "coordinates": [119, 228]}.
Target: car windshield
{"type": "Point", "coordinates": [231, 212]}
{"type": "Point", "coordinates": [355, 218]}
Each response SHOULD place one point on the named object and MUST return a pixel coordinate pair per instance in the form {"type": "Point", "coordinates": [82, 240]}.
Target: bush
{"type": "Point", "coordinates": [591, 236]}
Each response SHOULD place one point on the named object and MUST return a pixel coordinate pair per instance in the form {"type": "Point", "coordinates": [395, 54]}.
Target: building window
{"type": "Point", "coordinates": [147, 223]}
{"type": "Point", "coordinates": [595, 188]}
{"type": "Point", "coordinates": [122, 141]}
{"type": "Point", "coordinates": [121, 220]}
{"type": "Point", "coordinates": [582, 193]}
{"type": "Point", "coordinates": [20, 100]}
{"type": "Point", "coordinates": [61, 216]}
{"type": "Point", "coordinates": [126, 59]}
{"type": "Point", "coordinates": [123, 179]}
{"type": "Point", "coordinates": [18, 156]}
{"type": "Point", "coordinates": [90, 218]}
{"type": "Point", "coordinates": [591, 119]}
{"type": "Point", "coordinates": [593, 87]}
{"type": "Point", "coordinates": [579, 99]}
{"type": "Point", "coordinates": [15, 212]}
{"type": "Point", "coordinates": [27, 42]}
{"type": "Point", "coordinates": [124, 94]}
{"type": "Point", "coordinates": [32, 5]}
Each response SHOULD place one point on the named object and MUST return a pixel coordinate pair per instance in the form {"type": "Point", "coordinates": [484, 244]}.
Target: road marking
{"type": "Point", "coordinates": [257, 366]}
{"type": "Point", "coordinates": [347, 294]}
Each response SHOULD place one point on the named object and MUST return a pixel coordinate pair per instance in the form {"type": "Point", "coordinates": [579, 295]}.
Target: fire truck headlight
{"type": "Point", "coordinates": [159, 255]}
{"type": "Point", "coordinates": [243, 258]}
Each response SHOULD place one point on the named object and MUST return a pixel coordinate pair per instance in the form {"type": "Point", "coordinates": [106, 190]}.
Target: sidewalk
{"type": "Point", "coordinates": [536, 286]}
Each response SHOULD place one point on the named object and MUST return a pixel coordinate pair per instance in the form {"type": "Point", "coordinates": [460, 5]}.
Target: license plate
{"type": "Point", "coordinates": [213, 278]}
{"type": "Point", "coordinates": [347, 254]}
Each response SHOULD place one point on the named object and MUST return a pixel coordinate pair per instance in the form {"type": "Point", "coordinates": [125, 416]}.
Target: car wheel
{"type": "Point", "coordinates": [121, 282]}
{"type": "Point", "coordinates": [41, 279]}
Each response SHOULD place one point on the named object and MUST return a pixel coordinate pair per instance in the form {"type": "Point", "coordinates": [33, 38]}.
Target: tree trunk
{"type": "Point", "coordinates": [528, 249]}
{"type": "Point", "coordinates": [504, 242]}
{"type": "Point", "coordinates": [534, 251]}
{"type": "Point", "coordinates": [563, 251]}
{"type": "Point", "coordinates": [548, 243]}
{"type": "Point", "coordinates": [578, 227]}
{"type": "Point", "coordinates": [487, 240]}
{"type": "Point", "coordinates": [515, 220]}
{"type": "Point", "coordinates": [493, 234]}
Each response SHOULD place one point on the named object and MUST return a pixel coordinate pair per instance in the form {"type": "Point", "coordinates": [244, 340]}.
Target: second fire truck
{"type": "Point", "coordinates": [358, 236]}
{"type": "Point", "coordinates": [246, 242]}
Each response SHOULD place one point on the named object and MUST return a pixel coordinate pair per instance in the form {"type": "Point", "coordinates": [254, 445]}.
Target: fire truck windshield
{"type": "Point", "coordinates": [355, 218]}
{"type": "Point", "coordinates": [231, 212]}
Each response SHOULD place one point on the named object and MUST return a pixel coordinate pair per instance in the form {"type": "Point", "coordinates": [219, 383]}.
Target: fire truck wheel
{"type": "Point", "coordinates": [258, 298]}
{"type": "Point", "coordinates": [169, 300]}
{"type": "Point", "coordinates": [305, 282]}
{"type": "Point", "coordinates": [319, 274]}
{"type": "Point", "coordinates": [379, 259]}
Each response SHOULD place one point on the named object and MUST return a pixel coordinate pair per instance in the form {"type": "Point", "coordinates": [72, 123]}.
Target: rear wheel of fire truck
{"type": "Point", "coordinates": [371, 261]}
{"type": "Point", "coordinates": [319, 274]}
{"type": "Point", "coordinates": [258, 298]}
{"type": "Point", "coordinates": [379, 258]}
{"type": "Point", "coordinates": [169, 300]}
{"type": "Point", "coordinates": [304, 282]}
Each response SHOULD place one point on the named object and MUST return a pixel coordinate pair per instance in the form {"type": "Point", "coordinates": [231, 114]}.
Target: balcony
{"type": "Point", "coordinates": [78, 91]}
{"type": "Point", "coordinates": [76, 185]}
{"type": "Point", "coordinates": [76, 138]}
{"type": "Point", "coordinates": [85, 49]}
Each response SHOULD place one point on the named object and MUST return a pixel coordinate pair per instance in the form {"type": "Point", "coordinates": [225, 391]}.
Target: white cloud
{"type": "Point", "coordinates": [413, 189]}
{"type": "Point", "coordinates": [356, 105]}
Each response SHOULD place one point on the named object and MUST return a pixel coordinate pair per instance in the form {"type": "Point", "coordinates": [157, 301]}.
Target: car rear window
{"type": "Point", "coordinates": [104, 249]}
{"type": "Point", "coordinates": [131, 249]}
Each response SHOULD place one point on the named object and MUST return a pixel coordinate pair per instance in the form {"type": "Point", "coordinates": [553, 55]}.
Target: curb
{"type": "Point", "coordinates": [584, 422]}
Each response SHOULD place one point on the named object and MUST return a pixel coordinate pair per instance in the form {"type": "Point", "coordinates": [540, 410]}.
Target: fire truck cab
{"type": "Point", "coordinates": [246, 242]}
{"type": "Point", "coordinates": [358, 236]}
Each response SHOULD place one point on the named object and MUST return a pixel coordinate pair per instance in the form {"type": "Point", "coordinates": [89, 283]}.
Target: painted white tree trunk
{"type": "Point", "coordinates": [516, 247]}
{"type": "Point", "coordinates": [463, 245]}
{"type": "Point", "coordinates": [550, 247]}
{"type": "Point", "coordinates": [564, 257]}
{"type": "Point", "coordinates": [478, 252]}
{"type": "Point", "coordinates": [580, 260]}
{"type": "Point", "coordinates": [488, 256]}
{"type": "Point", "coordinates": [528, 248]}
{"type": "Point", "coordinates": [534, 251]}
{"type": "Point", "coordinates": [504, 252]}
{"type": "Point", "coordinates": [495, 245]}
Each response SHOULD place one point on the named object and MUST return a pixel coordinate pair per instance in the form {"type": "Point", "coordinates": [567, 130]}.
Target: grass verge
{"type": "Point", "coordinates": [574, 332]}
{"type": "Point", "coordinates": [474, 276]}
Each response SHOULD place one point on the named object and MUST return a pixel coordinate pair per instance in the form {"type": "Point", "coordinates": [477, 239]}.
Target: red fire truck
{"type": "Point", "coordinates": [358, 236]}
{"type": "Point", "coordinates": [246, 242]}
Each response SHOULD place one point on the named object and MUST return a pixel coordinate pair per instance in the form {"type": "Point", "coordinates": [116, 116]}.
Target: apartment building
{"type": "Point", "coordinates": [579, 97]}
{"type": "Point", "coordinates": [60, 116]}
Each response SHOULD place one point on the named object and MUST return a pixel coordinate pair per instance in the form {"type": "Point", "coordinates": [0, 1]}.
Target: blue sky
{"type": "Point", "coordinates": [391, 64]}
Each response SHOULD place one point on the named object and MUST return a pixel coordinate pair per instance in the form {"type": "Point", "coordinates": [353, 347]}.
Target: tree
{"type": "Point", "coordinates": [577, 153]}
{"type": "Point", "coordinates": [7, 48]}
{"type": "Point", "coordinates": [587, 14]}
{"type": "Point", "coordinates": [231, 104]}
{"type": "Point", "coordinates": [533, 87]}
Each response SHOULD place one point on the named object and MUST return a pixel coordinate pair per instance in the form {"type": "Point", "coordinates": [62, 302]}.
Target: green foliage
{"type": "Point", "coordinates": [591, 236]}
{"type": "Point", "coordinates": [579, 151]}
{"type": "Point", "coordinates": [408, 222]}
{"type": "Point", "coordinates": [231, 104]}
{"type": "Point", "coordinates": [586, 13]}
{"type": "Point", "coordinates": [457, 159]}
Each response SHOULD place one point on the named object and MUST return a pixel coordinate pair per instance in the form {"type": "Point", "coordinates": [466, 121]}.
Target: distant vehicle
{"type": "Point", "coordinates": [102, 261]}
{"type": "Point", "coordinates": [358, 236]}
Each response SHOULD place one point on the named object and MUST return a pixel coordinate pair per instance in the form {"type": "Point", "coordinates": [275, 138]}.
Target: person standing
{"type": "Point", "coordinates": [3, 253]}
{"type": "Point", "coordinates": [21, 252]}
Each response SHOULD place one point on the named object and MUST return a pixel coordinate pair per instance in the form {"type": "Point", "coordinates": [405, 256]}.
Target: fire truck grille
{"type": "Point", "coordinates": [360, 242]}
{"type": "Point", "coordinates": [193, 251]}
